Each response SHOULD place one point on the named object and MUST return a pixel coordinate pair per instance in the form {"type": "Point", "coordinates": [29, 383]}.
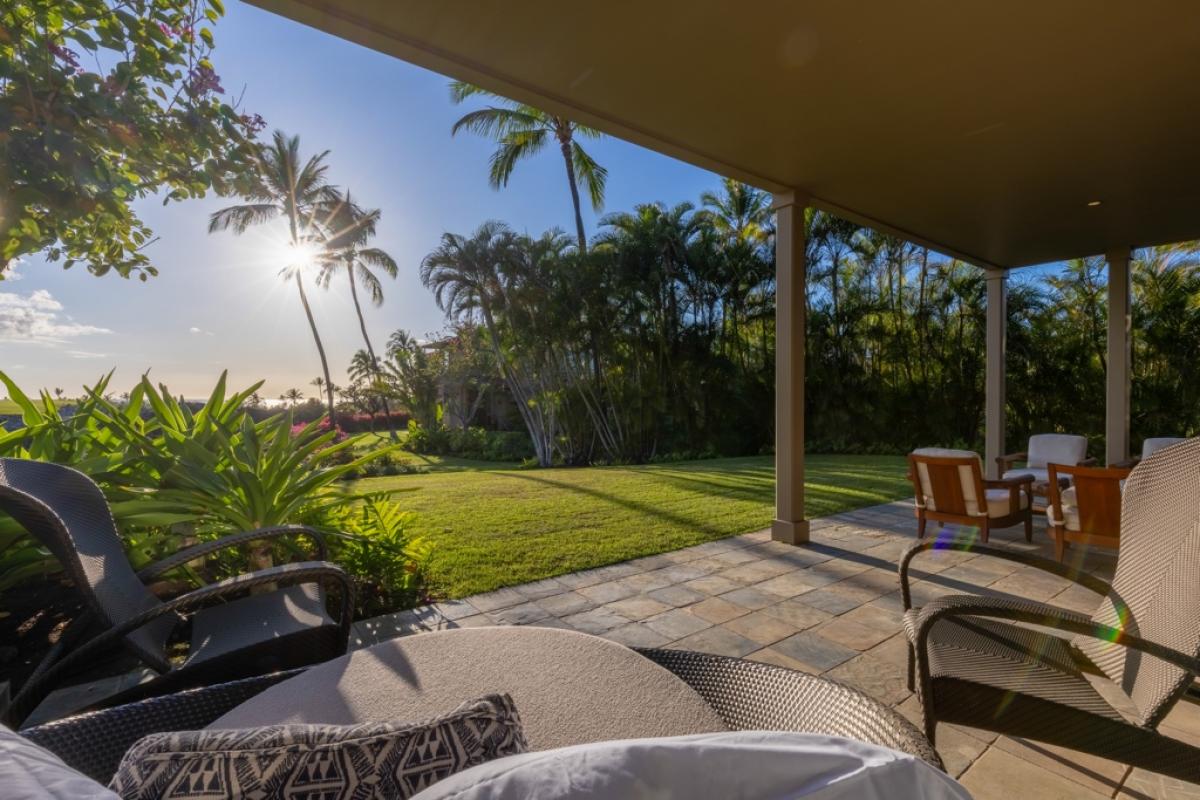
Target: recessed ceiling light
{"type": "Point", "coordinates": [1093, 203]}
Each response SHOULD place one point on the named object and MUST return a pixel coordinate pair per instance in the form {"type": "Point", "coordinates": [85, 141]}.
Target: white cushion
{"type": "Point", "coordinates": [1038, 474]}
{"type": "Point", "coordinates": [1056, 448]}
{"type": "Point", "coordinates": [999, 502]}
{"type": "Point", "coordinates": [745, 764]}
{"type": "Point", "coordinates": [1152, 446]}
{"type": "Point", "coordinates": [30, 772]}
{"type": "Point", "coordinates": [1070, 509]}
{"type": "Point", "coordinates": [965, 474]}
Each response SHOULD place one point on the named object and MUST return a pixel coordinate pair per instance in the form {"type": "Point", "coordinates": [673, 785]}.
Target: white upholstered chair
{"type": "Point", "coordinates": [1045, 449]}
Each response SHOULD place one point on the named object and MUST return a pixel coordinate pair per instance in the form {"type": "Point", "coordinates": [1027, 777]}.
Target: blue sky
{"type": "Point", "coordinates": [218, 301]}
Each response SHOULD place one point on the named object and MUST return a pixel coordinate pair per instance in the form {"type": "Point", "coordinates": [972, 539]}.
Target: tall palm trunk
{"type": "Point", "coordinates": [312, 323]}
{"type": "Point", "coordinates": [564, 141]}
{"type": "Point", "coordinates": [362, 326]}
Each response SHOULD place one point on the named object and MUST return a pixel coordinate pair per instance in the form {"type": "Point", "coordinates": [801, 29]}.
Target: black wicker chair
{"type": "Point", "coordinates": [971, 668]}
{"type": "Point", "coordinates": [747, 695]}
{"type": "Point", "coordinates": [289, 626]}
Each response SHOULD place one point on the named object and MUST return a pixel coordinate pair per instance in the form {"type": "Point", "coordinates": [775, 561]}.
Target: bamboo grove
{"type": "Point", "coordinates": [658, 340]}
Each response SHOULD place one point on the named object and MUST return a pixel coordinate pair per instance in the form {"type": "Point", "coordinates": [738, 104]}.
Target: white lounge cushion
{"type": "Point", "coordinates": [1070, 509]}
{"type": "Point", "coordinates": [1152, 446]}
{"type": "Point", "coordinates": [965, 474]}
{"type": "Point", "coordinates": [999, 502]}
{"type": "Point", "coordinates": [1038, 474]}
{"type": "Point", "coordinates": [1056, 448]}
{"type": "Point", "coordinates": [30, 772]}
{"type": "Point", "coordinates": [745, 764]}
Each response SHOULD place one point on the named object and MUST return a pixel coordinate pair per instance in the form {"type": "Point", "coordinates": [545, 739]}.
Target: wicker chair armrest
{"type": "Point", "coordinates": [1073, 574]}
{"type": "Point", "coordinates": [1006, 461]}
{"type": "Point", "coordinates": [286, 575]}
{"type": "Point", "coordinates": [1047, 616]}
{"type": "Point", "coordinates": [204, 548]}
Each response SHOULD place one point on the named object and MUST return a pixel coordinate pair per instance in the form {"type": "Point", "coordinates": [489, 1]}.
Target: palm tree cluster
{"type": "Point", "coordinates": [325, 225]}
{"type": "Point", "coordinates": [658, 340]}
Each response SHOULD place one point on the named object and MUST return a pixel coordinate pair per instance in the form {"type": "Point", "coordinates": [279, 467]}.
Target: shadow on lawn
{"type": "Point", "coordinates": [648, 509]}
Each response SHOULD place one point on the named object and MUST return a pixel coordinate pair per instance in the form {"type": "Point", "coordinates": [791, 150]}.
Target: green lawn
{"type": "Point", "coordinates": [492, 525]}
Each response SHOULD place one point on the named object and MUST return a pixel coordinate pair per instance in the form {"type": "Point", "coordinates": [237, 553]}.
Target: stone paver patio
{"type": "Point", "coordinates": [831, 607]}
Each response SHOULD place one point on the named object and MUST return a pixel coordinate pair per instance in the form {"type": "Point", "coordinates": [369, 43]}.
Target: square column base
{"type": "Point", "coordinates": [790, 532]}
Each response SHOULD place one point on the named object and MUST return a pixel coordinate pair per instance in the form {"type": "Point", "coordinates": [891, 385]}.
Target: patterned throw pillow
{"type": "Point", "coordinates": [319, 762]}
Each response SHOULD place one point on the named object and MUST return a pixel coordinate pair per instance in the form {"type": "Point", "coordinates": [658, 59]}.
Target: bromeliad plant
{"type": "Point", "coordinates": [172, 472]}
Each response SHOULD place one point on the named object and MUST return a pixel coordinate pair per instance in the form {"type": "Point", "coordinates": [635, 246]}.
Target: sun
{"type": "Point", "coordinates": [299, 255]}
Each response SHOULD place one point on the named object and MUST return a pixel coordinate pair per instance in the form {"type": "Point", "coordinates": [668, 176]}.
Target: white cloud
{"type": "Point", "coordinates": [197, 331]}
{"type": "Point", "coordinates": [36, 318]}
{"type": "Point", "coordinates": [85, 354]}
{"type": "Point", "coordinates": [11, 275]}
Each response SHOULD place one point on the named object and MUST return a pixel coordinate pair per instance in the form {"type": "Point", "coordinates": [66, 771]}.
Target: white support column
{"type": "Point", "coordinates": [789, 525]}
{"type": "Point", "coordinates": [1118, 381]}
{"type": "Point", "coordinates": [994, 380]}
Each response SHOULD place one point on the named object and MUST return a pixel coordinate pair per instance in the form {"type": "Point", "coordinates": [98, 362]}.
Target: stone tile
{"type": "Point", "coordinates": [676, 623]}
{"type": "Point", "coordinates": [873, 581]}
{"type": "Point", "coordinates": [719, 641]}
{"type": "Point", "coordinates": [882, 680]}
{"type": "Point", "coordinates": [706, 565]}
{"type": "Point", "coordinates": [789, 584]}
{"type": "Point", "coordinates": [750, 597]}
{"type": "Point", "coordinates": [636, 635]}
{"type": "Point", "coordinates": [607, 592]}
{"type": "Point", "coordinates": [716, 610]}
{"type": "Point", "coordinates": [731, 558]}
{"type": "Point", "coordinates": [680, 573]}
{"type": "Point", "coordinates": [814, 650]}
{"type": "Point", "coordinates": [520, 615]}
{"type": "Point", "coordinates": [998, 775]}
{"type": "Point", "coordinates": [761, 627]}
{"type": "Point", "coordinates": [561, 605]}
{"type": "Point", "coordinates": [455, 609]}
{"type": "Point", "coordinates": [1143, 785]}
{"type": "Point", "coordinates": [542, 588]}
{"type": "Point", "coordinates": [646, 582]}
{"type": "Point", "coordinates": [1031, 585]}
{"type": "Point", "coordinates": [678, 595]}
{"type": "Point", "coordinates": [638, 607]}
{"type": "Point", "coordinates": [596, 621]}
{"type": "Point", "coordinates": [838, 568]}
{"type": "Point", "coordinates": [769, 655]}
{"type": "Point", "coordinates": [797, 614]}
{"type": "Point", "coordinates": [712, 585]}
{"type": "Point", "coordinates": [965, 577]}
{"type": "Point", "coordinates": [854, 635]}
{"type": "Point", "coordinates": [649, 563]}
{"type": "Point", "coordinates": [755, 572]}
{"type": "Point", "coordinates": [477, 621]}
{"type": "Point", "coordinates": [550, 622]}
{"type": "Point", "coordinates": [1076, 598]}
{"type": "Point", "coordinates": [1095, 773]}
{"type": "Point", "coordinates": [618, 571]}
{"type": "Point", "coordinates": [832, 600]}
{"type": "Point", "coordinates": [712, 548]}
{"type": "Point", "coordinates": [893, 651]}
{"type": "Point", "coordinates": [881, 616]}
{"type": "Point", "coordinates": [578, 580]}
{"type": "Point", "coordinates": [501, 598]}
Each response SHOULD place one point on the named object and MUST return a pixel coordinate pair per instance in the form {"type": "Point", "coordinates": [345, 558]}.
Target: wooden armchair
{"type": "Point", "coordinates": [1089, 512]}
{"type": "Point", "coordinates": [949, 487]}
{"type": "Point", "coordinates": [1045, 449]}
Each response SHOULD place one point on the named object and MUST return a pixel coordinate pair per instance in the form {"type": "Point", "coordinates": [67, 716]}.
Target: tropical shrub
{"type": "Point", "coordinates": [171, 472]}
{"type": "Point", "coordinates": [473, 443]}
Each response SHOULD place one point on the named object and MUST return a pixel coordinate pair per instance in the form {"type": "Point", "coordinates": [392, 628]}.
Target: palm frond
{"type": "Point", "coordinates": [594, 176]}
{"type": "Point", "coordinates": [239, 218]}
{"type": "Point", "coordinates": [511, 150]}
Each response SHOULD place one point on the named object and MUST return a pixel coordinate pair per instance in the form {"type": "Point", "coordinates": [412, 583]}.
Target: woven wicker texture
{"type": "Point", "coordinates": [753, 696]}
{"type": "Point", "coordinates": [68, 513]}
{"type": "Point", "coordinates": [1156, 589]}
{"type": "Point", "coordinates": [747, 695]}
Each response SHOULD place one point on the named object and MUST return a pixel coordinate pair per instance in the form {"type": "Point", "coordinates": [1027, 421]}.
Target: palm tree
{"type": "Point", "coordinates": [348, 228]}
{"type": "Point", "coordinates": [522, 131]}
{"type": "Point", "coordinates": [284, 187]}
{"type": "Point", "coordinates": [292, 397]}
